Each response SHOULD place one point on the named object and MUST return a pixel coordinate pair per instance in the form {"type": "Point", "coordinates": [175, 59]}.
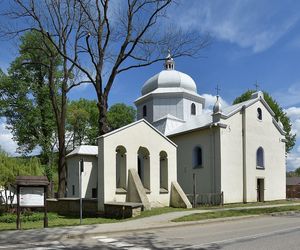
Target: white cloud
{"type": "Point", "coordinates": [210, 101]}
{"type": "Point", "coordinates": [293, 158]}
{"type": "Point", "coordinates": [288, 97]}
{"type": "Point", "coordinates": [294, 115]}
{"type": "Point", "coordinates": [250, 24]}
{"type": "Point", "coordinates": [6, 141]}
{"type": "Point", "coordinates": [293, 161]}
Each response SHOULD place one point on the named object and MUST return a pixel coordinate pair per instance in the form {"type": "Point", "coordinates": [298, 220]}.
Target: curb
{"type": "Point", "coordinates": [169, 225]}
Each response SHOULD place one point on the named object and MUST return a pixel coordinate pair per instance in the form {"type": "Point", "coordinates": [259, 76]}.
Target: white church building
{"type": "Point", "coordinates": [238, 150]}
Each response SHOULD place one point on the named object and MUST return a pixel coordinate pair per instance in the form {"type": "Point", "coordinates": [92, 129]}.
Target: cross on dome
{"type": "Point", "coordinates": [169, 62]}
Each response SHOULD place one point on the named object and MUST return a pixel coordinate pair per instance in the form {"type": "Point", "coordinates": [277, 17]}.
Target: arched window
{"type": "Point", "coordinates": [121, 168]}
{"type": "Point", "coordinates": [260, 163]}
{"type": "Point", "coordinates": [144, 111]}
{"type": "Point", "coordinates": [163, 172]}
{"type": "Point", "coordinates": [193, 109]}
{"type": "Point", "coordinates": [259, 114]}
{"type": "Point", "coordinates": [197, 157]}
{"type": "Point", "coordinates": [143, 160]}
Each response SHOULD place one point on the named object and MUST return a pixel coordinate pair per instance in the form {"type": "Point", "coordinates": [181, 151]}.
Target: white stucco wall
{"type": "Point", "coordinates": [175, 104]}
{"type": "Point", "coordinates": [164, 106]}
{"type": "Point", "coordinates": [187, 109]}
{"type": "Point", "coordinates": [232, 160]}
{"type": "Point", "coordinates": [149, 104]}
{"type": "Point", "coordinates": [89, 176]}
{"type": "Point", "coordinates": [208, 176]}
{"type": "Point", "coordinates": [264, 133]}
{"type": "Point", "coordinates": [132, 138]}
{"type": "Point", "coordinates": [258, 133]}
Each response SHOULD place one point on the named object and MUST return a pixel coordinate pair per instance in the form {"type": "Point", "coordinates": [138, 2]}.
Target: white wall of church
{"type": "Point", "coordinates": [160, 106]}
{"type": "Point", "coordinates": [232, 160]}
{"type": "Point", "coordinates": [164, 106]}
{"type": "Point", "coordinates": [259, 133]}
{"type": "Point", "coordinates": [207, 176]}
{"type": "Point", "coordinates": [187, 109]}
{"type": "Point", "coordinates": [149, 104]}
{"type": "Point", "coordinates": [89, 176]}
{"type": "Point", "coordinates": [264, 134]}
{"type": "Point", "coordinates": [132, 138]}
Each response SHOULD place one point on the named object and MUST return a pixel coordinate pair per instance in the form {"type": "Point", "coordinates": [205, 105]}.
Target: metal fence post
{"type": "Point", "coordinates": [194, 190]}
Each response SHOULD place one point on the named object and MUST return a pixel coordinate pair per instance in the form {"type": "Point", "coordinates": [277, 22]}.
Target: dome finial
{"type": "Point", "coordinates": [217, 107]}
{"type": "Point", "coordinates": [169, 61]}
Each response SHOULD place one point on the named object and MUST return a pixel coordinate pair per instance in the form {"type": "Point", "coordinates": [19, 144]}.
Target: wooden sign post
{"type": "Point", "coordinates": [32, 193]}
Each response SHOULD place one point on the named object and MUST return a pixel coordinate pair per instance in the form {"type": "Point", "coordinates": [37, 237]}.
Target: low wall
{"type": "Point", "coordinates": [70, 206]}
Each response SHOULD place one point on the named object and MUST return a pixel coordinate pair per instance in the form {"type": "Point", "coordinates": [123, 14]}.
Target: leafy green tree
{"type": "Point", "coordinates": [297, 171]}
{"type": "Point", "coordinates": [25, 102]}
{"type": "Point", "coordinates": [279, 114]}
{"type": "Point", "coordinates": [11, 167]}
{"type": "Point", "coordinates": [82, 118]}
{"type": "Point", "coordinates": [120, 115]}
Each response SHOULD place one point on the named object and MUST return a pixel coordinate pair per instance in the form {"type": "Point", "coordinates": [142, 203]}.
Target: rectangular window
{"type": "Point", "coordinates": [73, 189]}
{"type": "Point", "coordinates": [94, 192]}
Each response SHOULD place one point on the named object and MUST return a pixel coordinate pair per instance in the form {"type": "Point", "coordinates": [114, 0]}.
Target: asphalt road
{"type": "Point", "coordinates": [264, 232]}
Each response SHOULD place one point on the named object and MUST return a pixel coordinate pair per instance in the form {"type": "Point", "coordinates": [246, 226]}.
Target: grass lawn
{"type": "Point", "coordinates": [54, 220]}
{"type": "Point", "coordinates": [8, 221]}
{"type": "Point", "coordinates": [35, 221]}
{"type": "Point", "coordinates": [232, 213]}
{"type": "Point", "coordinates": [251, 204]}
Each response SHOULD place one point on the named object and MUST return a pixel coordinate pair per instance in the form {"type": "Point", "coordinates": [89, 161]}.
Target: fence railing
{"type": "Point", "coordinates": [206, 199]}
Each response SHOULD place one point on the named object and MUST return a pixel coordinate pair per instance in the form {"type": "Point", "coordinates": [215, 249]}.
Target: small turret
{"type": "Point", "coordinates": [217, 107]}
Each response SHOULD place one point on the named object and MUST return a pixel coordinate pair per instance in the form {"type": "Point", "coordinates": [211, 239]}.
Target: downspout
{"type": "Point", "coordinates": [244, 154]}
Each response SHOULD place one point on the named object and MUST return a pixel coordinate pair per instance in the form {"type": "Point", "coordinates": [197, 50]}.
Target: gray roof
{"type": "Point", "coordinates": [295, 180]}
{"type": "Point", "coordinates": [199, 121]}
{"type": "Point", "coordinates": [205, 119]}
{"type": "Point", "coordinates": [84, 150]}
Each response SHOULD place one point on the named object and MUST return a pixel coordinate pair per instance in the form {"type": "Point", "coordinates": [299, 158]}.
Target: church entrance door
{"type": "Point", "coordinates": [260, 190]}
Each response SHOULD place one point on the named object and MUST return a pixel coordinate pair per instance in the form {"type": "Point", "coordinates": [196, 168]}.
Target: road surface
{"type": "Point", "coordinates": [263, 232]}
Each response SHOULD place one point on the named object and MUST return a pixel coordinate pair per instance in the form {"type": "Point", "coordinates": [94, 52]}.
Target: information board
{"type": "Point", "coordinates": [31, 196]}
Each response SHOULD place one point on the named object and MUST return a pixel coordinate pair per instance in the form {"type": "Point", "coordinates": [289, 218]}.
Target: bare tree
{"type": "Point", "coordinates": [61, 20]}
{"type": "Point", "coordinates": [101, 39]}
{"type": "Point", "coordinates": [113, 38]}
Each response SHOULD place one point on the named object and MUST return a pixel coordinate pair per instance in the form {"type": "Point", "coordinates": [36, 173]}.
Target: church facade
{"type": "Point", "coordinates": [237, 150]}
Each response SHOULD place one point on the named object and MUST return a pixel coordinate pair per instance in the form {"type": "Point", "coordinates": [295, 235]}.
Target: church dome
{"type": "Point", "coordinates": [169, 78]}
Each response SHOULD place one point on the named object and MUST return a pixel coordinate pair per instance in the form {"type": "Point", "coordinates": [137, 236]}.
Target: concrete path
{"type": "Point", "coordinates": [153, 222]}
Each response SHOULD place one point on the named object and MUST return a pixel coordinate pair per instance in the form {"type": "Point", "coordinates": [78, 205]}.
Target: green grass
{"type": "Point", "coordinates": [158, 211]}
{"type": "Point", "coordinates": [233, 213]}
{"type": "Point", "coordinates": [35, 220]}
{"type": "Point", "coordinates": [251, 204]}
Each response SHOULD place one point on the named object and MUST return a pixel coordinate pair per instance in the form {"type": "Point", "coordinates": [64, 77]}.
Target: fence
{"type": "Point", "coordinates": [206, 199]}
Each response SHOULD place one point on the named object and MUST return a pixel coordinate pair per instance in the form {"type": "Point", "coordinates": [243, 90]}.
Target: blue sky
{"type": "Point", "coordinates": [252, 41]}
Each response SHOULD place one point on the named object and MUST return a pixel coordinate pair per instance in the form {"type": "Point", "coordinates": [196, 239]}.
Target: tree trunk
{"type": "Point", "coordinates": [62, 157]}
{"type": "Point", "coordinates": [102, 119]}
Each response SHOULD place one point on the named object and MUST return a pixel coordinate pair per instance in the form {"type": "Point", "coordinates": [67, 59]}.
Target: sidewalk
{"type": "Point", "coordinates": [147, 223]}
